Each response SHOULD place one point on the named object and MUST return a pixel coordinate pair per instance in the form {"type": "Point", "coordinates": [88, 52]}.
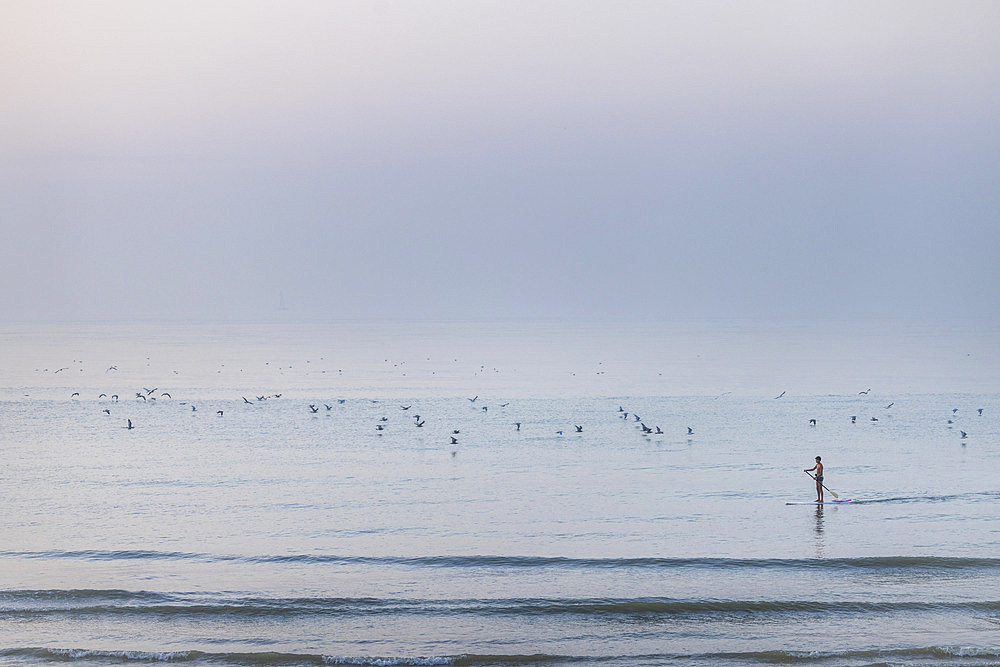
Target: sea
{"type": "Point", "coordinates": [500, 493]}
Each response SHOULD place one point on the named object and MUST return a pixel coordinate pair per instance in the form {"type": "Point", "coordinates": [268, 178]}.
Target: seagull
{"type": "Point", "coordinates": [106, 411]}
{"type": "Point", "coordinates": [558, 432]}
{"type": "Point", "coordinates": [658, 431]}
{"type": "Point", "coordinates": [194, 409]}
{"type": "Point", "coordinates": [485, 408]}
{"type": "Point", "coordinates": [75, 393]}
{"type": "Point", "coordinates": [454, 440]}
{"type": "Point", "coordinates": [245, 399]}
{"type": "Point", "coordinates": [103, 396]}
{"type": "Point", "coordinates": [779, 395]}
{"type": "Point", "coordinates": [313, 408]}
{"type": "Point", "coordinates": [980, 410]}
{"type": "Point", "coordinates": [518, 425]}
{"type": "Point", "coordinates": [954, 411]}
{"type": "Point", "coordinates": [812, 422]}
{"type": "Point", "coordinates": [579, 429]}
{"type": "Point", "coordinates": [111, 368]}
{"type": "Point", "coordinates": [114, 397]}
{"type": "Point", "coordinates": [138, 395]}
{"type": "Point", "coordinates": [219, 413]}
{"type": "Point", "coordinates": [690, 430]}
{"type": "Point", "coordinates": [874, 419]}
{"type": "Point", "coordinates": [854, 419]}
{"type": "Point", "coordinates": [149, 391]}
{"type": "Point", "coordinates": [405, 407]}
{"type": "Point", "coordinates": [473, 399]}
{"type": "Point", "coordinates": [889, 406]}
{"type": "Point", "coordinates": [420, 423]}
{"type": "Point", "coordinates": [262, 398]}
{"type": "Point", "coordinates": [166, 394]}
{"type": "Point", "coordinates": [379, 427]}
{"type": "Point", "coordinates": [328, 407]}
{"type": "Point", "coordinates": [964, 434]}
{"type": "Point", "coordinates": [646, 429]}
{"type": "Point", "coordinates": [865, 392]}
{"type": "Point", "coordinates": [61, 369]}
{"type": "Point", "coordinates": [130, 427]}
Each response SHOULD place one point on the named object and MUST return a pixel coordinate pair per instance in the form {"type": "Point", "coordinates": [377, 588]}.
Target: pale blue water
{"type": "Point", "coordinates": [272, 534]}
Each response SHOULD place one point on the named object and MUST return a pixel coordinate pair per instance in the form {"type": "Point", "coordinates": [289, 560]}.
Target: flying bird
{"type": "Point", "coordinates": [779, 395]}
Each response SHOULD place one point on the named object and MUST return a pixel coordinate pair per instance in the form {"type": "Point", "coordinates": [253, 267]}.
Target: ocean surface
{"type": "Point", "coordinates": [389, 493]}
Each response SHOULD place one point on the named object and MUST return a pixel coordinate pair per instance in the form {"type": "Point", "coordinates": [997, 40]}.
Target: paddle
{"type": "Point", "coordinates": [833, 493]}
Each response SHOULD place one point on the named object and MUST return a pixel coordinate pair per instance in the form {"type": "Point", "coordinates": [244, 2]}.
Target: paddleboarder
{"type": "Point", "coordinates": [819, 478]}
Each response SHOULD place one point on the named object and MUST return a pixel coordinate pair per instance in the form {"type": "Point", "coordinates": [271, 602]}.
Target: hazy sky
{"type": "Point", "coordinates": [511, 159]}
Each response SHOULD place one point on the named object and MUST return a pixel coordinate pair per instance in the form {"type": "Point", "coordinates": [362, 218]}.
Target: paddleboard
{"type": "Point", "coordinates": [825, 502]}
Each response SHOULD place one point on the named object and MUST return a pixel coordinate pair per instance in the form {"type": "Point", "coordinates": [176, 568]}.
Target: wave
{"type": "Point", "coordinates": [501, 562]}
{"type": "Point", "coordinates": [895, 656]}
{"type": "Point", "coordinates": [22, 604]}
{"type": "Point", "coordinates": [202, 657]}
{"type": "Point", "coordinates": [979, 496]}
{"type": "Point", "coordinates": [966, 655]}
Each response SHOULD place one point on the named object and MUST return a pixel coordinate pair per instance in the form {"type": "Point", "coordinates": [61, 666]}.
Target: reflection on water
{"type": "Point", "coordinates": [820, 543]}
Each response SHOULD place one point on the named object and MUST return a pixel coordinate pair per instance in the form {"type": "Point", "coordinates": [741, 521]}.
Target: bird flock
{"type": "Point", "coordinates": [153, 394]}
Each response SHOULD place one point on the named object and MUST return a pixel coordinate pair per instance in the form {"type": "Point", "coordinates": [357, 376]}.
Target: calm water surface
{"type": "Point", "coordinates": [235, 524]}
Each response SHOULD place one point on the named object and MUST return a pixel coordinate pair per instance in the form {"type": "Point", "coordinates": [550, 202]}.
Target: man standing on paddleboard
{"type": "Point", "coordinates": [819, 479]}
